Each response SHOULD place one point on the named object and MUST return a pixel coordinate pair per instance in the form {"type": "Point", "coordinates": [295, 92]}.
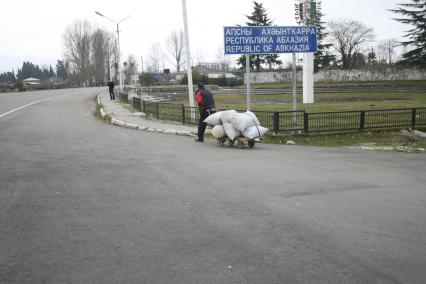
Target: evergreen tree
{"type": "Point", "coordinates": [322, 56]}
{"type": "Point", "coordinates": [51, 72]}
{"type": "Point", "coordinates": [259, 17]}
{"type": "Point", "coordinates": [414, 14]}
{"type": "Point", "coordinates": [61, 70]}
{"type": "Point", "coordinates": [7, 77]}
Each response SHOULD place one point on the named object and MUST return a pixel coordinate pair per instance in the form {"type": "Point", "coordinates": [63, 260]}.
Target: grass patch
{"type": "Point", "coordinates": [323, 102]}
{"type": "Point", "coordinates": [385, 138]}
{"type": "Point", "coordinates": [98, 111]}
{"type": "Point", "coordinates": [98, 115]}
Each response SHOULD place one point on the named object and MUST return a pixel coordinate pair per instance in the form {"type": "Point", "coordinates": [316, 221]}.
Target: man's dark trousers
{"type": "Point", "coordinates": [202, 125]}
{"type": "Point", "coordinates": [111, 94]}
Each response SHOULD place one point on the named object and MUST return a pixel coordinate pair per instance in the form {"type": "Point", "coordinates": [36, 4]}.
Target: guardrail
{"type": "Point", "coordinates": [289, 121]}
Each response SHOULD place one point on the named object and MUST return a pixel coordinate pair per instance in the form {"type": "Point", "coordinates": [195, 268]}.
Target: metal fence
{"type": "Point", "coordinates": [124, 97]}
{"type": "Point", "coordinates": [288, 121]}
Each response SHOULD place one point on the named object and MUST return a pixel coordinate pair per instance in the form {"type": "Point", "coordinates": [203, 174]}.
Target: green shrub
{"type": "Point", "coordinates": [147, 79]}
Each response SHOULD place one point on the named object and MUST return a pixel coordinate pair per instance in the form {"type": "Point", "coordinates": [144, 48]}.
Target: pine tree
{"type": "Point", "coordinates": [414, 14]}
{"type": "Point", "coordinates": [322, 57]}
{"type": "Point", "coordinates": [51, 72]}
{"type": "Point", "coordinates": [259, 17]}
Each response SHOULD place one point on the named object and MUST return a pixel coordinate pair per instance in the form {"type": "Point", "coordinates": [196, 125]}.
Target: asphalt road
{"type": "Point", "coordinates": [82, 201]}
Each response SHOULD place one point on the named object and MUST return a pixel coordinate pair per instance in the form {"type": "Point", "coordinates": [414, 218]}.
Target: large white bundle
{"type": "Point", "coordinates": [214, 119]}
{"type": "Point", "coordinates": [230, 131]}
{"type": "Point", "coordinates": [228, 115]}
{"type": "Point", "coordinates": [218, 131]}
{"type": "Point", "coordinates": [254, 131]}
{"type": "Point", "coordinates": [244, 120]}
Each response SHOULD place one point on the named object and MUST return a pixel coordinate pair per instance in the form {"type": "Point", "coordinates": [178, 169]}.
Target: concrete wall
{"type": "Point", "coordinates": [390, 74]}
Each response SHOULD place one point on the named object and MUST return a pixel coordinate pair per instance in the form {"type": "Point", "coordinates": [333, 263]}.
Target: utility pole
{"type": "Point", "coordinates": [188, 61]}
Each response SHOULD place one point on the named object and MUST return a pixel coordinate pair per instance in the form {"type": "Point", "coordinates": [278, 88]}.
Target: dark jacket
{"type": "Point", "coordinates": [110, 85]}
{"type": "Point", "coordinates": [205, 99]}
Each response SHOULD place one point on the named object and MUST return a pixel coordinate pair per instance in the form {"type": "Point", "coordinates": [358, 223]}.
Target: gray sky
{"type": "Point", "coordinates": [32, 30]}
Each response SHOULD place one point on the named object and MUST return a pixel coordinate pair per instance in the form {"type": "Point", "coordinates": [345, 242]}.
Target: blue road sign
{"type": "Point", "coordinates": [270, 39]}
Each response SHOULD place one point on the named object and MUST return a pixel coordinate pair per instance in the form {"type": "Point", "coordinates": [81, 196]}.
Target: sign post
{"type": "Point", "coordinates": [268, 40]}
{"type": "Point", "coordinates": [247, 81]}
{"type": "Point", "coordinates": [306, 14]}
{"type": "Point", "coordinates": [294, 82]}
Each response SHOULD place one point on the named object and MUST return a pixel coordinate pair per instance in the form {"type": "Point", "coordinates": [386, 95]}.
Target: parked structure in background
{"type": "Point", "coordinates": [31, 81]}
{"type": "Point", "coordinates": [214, 66]}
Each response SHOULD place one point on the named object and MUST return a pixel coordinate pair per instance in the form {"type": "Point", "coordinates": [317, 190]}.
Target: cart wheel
{"type": "Point", "coordinates": [251, 143]}
{"type": "Point", "coordinates": [220, 142]}
{"type": "Point", "coordinates": [240, 144]}
{"type": "Point", "coordinates": [230, 142]}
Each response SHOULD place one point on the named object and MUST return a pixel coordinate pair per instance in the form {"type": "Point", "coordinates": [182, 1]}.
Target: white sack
{"type": "Point", "coordinates": [230, 131]}
{"type": "Point", "coordinates": [244, 120]}
{"type": "Point", "coordinates": [218, 131]}
{"type": "Point", "coordinates": [254, 131]}
{"type": "Point", "coordinates": [228, 115]}
{"type": "Point", "coordinates": [214, 119]}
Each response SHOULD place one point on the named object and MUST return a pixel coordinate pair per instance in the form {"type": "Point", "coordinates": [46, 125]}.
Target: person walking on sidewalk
{"type": "Point", "coordinates": [111, 90]}
{"type": "Point", "coordinates": [206, 107]}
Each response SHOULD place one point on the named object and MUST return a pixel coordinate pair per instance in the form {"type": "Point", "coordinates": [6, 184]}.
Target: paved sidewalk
{"type": "Point", "coordinates": [122, 115]}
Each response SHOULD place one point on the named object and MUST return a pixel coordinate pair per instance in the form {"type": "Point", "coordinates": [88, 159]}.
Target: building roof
{"type": "Point", "coordinates": [31, 79]}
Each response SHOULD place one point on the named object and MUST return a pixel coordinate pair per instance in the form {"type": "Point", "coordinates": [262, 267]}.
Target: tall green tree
{"type": "Point", "coordinates": [414, 14]}
{"type": "Point", "coordinates": [322, 56]}
{"type": "Point", "coordinates": [7, 77]}
{"type": "Point", "coordinates": [259, 17]}
{"type": "Point", "coordinates": [61, 70]}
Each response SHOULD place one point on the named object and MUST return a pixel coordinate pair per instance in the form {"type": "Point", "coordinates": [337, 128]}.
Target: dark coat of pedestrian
{"type": "Point", "coordinates": [111, 89]}
{"type": "Point", "coordinates": [206, 107]}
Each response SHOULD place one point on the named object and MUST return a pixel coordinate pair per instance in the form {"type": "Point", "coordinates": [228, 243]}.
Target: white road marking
{"type": "Point", "coordinates": [24, 106]}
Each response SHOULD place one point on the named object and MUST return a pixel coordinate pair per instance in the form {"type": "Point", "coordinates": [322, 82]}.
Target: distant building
{"type": "Point", "coordinates": [214, 66]}
{"type": "Point", "coordinates": [31, 81]}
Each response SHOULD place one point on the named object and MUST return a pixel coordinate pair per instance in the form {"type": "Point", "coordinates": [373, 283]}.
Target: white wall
{"type": "Point", "coordinates": [390, 74]}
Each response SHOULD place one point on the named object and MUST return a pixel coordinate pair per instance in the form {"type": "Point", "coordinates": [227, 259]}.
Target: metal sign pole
{"type": "Point", "coordinates": [248, 81]}
{"type": "Point", "coordinates": [294, 107]}
{"type": "Point", "coordinates": [294, 82]}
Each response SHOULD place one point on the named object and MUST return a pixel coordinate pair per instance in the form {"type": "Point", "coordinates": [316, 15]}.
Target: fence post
{"type": "Point", "coordinates": [306, 122]}
{"type": "Point", "coordinates": [362, 121]}
{"type": "Point", "coordinates": [158, 113]}
{"type": "Point", "coordinates": [183, 114]}
{"type": "Point", "coordinates": [276, 122]}
{"type": "Point", "coordinates": [413, 118]}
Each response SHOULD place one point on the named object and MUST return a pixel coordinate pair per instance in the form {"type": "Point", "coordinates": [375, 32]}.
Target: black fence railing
{"type": "Point", "coordinates": [288, 121]}
{"type": "Point", "coordinates": [124, 97]}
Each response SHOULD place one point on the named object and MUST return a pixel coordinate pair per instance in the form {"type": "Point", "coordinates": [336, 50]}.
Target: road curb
{"type": "Point", "coordinates": [124, 124]}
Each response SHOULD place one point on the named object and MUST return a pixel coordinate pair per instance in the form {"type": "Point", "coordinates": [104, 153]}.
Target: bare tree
{"type": "Point", "coordinates": [154, 58]}
{"type": "Point", "coordinates": [386, 50]}
{"type": "Point", "coordinates": [111, 49]}
{"type": "Point", "coordinates": [131, 67]}
{"type": "Point", "coordinates": [348, 37]}
{"type": "Point", "coordinates": [98, 56]}
{"type": "Point", "coordinates": [199, 57]}
{"type": "Point", "coordinates": [77, 41]}
{"type": "Point", "coordinates": [175, 45]}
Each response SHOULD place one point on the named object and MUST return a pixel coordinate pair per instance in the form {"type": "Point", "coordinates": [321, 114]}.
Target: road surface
{"type": "Point", "coordinates": [82, 201]}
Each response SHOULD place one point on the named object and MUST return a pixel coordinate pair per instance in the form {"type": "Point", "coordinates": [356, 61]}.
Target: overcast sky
{"type": "Point", "coordinates": [32, 30]}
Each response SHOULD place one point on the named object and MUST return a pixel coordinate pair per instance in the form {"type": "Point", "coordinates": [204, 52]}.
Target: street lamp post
{"type": "Point", "coordinates": [118, 44]}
